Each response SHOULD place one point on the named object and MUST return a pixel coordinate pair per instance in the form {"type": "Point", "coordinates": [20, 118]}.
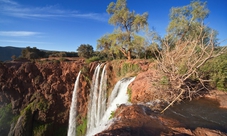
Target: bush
{"type": "Point", "coordinates": [6, 118]}
{"type": "Point", "coordinates": [112, 114]}
{"type": "Point", "coordinates": [85, 50]}
{"type": "Point", "coordinates": [216, 71]}
{"type": "Point", "coordinates": [81, 128]}
{"type": "Point", "coordinates": [129, 92]}
{"type": "Point", "coordinates": [128, 68]}
{"type": "Point", "coordinates": [92, 59]}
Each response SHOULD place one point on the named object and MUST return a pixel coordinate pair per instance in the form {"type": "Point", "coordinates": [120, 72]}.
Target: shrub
{"type": "Point", "coordinates": [129, 92]}
{"type": "Point", "coordinates": [56, 62]}
{"type": "Point", "coordinates": [92, 59]}
{"type": "Point", "coordinates": [112, 114]}
{"type": "Point", "coordinates": [129, 68]}
{"type": "Point", "coordinates": [6, 118]}
{"type": "Point", "coordinates": [216, 71]}
{"type": "Point", "coordinates": [85, 50]}
{"type": "Point", "coordinates": [81, 128]}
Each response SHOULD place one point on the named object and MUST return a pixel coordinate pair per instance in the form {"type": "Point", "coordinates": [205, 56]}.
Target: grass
{"type": "Point", "coordinates": [81, 128]}
{"type": "Point", "coordinates": [129, 92]}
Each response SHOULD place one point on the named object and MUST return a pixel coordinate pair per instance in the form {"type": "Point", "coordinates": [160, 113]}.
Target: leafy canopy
{"type": "Point", "coordinates": [127, 24]}
{"type": "Point", "coordinates": [85, 50]}
{"type": "Point", "coordinates": [186, 23]}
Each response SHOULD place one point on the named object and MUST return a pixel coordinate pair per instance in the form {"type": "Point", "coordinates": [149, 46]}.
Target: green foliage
{"type": "Point", "coordinates": [85, 50]}
{"type": "Point", "coordinates": [62, 59]}
{"type": "Point", "coordinates": [81, 128]}
{"type": "Point", "coordinates": [216, 71]}
{"type": "Point", "coordinates": [27, 110]}
{"type": "Point", "coordinates": [164, 81]}
{"type": "Point", "coordinates": [56, 62]}
{"type": "Point", "coordinates": [39, 103]}
{"type": "Point", "coordinates": [42, 105]}
{"type": "Point", "coordinates": [127, 24]}
{"type": "Point", "coordinates": [187, 21]}
{"type": "Point", "coordinates": [129, 92]}
{"type": "Point", "coordinates": [6, 118]}
{"type": "Point", "coordinates": [112, 114]}
{"type": "Point", "coordinates": [129, 68]}
{"type": "Point", "coordinates": [183, 17]}
{"type": "Point", "coordinates": [92, 59]}
{"type": "Point", "coordinates": [60, 54]}
{"type": "Point", "coordinates": [32, 53]}
{"type": "Point", "coordinates": [40, 129]}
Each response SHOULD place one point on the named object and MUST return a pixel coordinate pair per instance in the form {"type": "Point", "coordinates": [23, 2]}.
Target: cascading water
{"type": "Point", "coordinates": [102, 95]}
{"type": "Point", "coordinates": [117, 97]}
{"type": "Point", "coordinates": [72, 113]}
{"type": "Point", "coordinates": [120, 97]}
{"type": "Point", "coordinates": [97, 103]}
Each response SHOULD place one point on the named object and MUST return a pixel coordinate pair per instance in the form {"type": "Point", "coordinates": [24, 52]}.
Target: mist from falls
{"type": "Point", "coordinates": [72, 113]}
{"type": "Point", "coordinates": [98, 111]}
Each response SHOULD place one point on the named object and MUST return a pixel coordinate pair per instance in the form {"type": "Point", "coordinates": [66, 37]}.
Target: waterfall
{"type": "Point", "coordinates": [72, 113]}
{"type": "Point", "coordinates": [97, 103]}
{"type": "Point", "coordinates": [117, 97]}
{"type": "Point", "coordinates": [102, 95]}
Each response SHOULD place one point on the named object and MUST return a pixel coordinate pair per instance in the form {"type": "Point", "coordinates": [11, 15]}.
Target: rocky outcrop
{"type": "Point", "coordinates": [150, 86]}
{"type": "Point", "coordinates": [139, 120]}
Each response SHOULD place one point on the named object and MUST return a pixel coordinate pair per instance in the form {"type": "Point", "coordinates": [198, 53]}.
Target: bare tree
{"type": "Point", "coordinates": [181, 62]}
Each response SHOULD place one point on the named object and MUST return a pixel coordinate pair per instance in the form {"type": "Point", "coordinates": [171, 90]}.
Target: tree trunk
{"type": "Point", "coordinates": [129, 55]}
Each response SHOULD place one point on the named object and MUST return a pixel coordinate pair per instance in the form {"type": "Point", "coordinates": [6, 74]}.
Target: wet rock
{"type": "Point", "coordinates": [139, 120]}
{"type": "Point", "coordinates": [220, 96]}
{"type": "Point", "coordinates": [207, 132]}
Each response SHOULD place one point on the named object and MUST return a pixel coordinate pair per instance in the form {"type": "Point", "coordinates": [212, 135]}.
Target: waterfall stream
{"type": "Point", "coordinates": [97, 103]}
{"type": "Point", "coordinates": [98, 112]}
{"type": "Point", "coordinates": [72, 113]}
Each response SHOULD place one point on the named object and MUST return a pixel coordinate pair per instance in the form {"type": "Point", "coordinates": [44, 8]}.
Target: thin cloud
{"type": "Point", "coordinates": [8, 2]}
{"type": "Point", "coordinates": [26, 42]}
{"type": "Point", "coordinates": [93, 16]}
{"type": "Point", "coordinates": [18, 33]}
{"type": "Point", "coordinates": [11, 8]}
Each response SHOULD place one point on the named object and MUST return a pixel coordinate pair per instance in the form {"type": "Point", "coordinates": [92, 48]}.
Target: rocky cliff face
{"type": "Point", "coordinates": [40, 94]}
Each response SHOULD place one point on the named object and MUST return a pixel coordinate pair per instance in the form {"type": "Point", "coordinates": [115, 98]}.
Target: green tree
{"type": "Point", "coordinates": [32, 53]}
{"type": "Point", "coordinates": [85, 50]}
{"type": "Point", "coordinates": [186, 23]}
{"type": "Point", "coordinates": [127, 24]}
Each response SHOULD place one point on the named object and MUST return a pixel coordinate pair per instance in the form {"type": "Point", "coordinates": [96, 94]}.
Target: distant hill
{"type": "Point", "coordinates": [7, 52]}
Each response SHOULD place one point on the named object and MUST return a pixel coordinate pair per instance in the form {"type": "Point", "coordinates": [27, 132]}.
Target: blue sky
{"type": "Point", "coordinates": [64, 25]}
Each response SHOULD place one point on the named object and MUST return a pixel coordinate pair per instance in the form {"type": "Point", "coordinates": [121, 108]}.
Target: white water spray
{"type": "Point", "coordinates": [121, 97]}
{"type": "Point", "coordinates": [117, 97]}
{"type": "Point", "coordinates": [97, 103]}
{"type": "Point", "coordinates": [102, 95]}
{"type": "Point", "coordinates": [72, 113]}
